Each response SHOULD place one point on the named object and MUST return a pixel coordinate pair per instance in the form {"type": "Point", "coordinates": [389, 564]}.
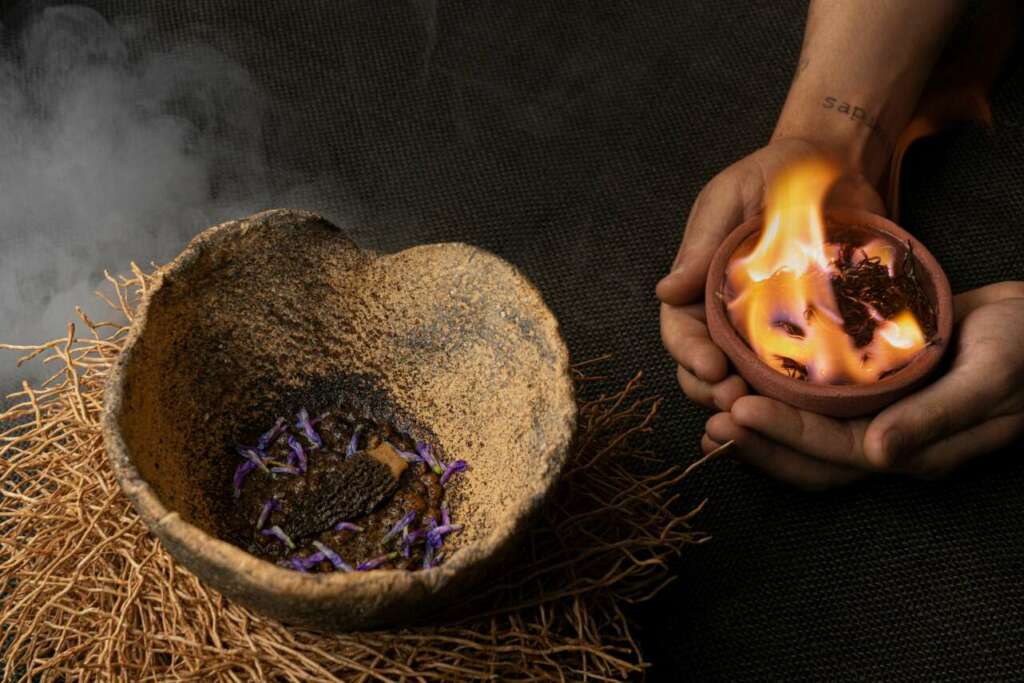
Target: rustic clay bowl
{"type": "Point", "coordinates": [833, 400]}
{"type": "Point", "coordinates": [279, 310]}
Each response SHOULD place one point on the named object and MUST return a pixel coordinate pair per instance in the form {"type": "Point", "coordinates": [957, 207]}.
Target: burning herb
{"type": "Point", "coordinates": [892, 371]}
{"type": "Point", "coordinates": [793, 368]}
{"type": "Point", "coordinates": [865, 291]}
{"type": "Point", "coordinates": [789, 328]}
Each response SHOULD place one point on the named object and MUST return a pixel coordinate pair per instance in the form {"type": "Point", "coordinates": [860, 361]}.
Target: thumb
{"type": "Point", "coordinates": [714, 214]}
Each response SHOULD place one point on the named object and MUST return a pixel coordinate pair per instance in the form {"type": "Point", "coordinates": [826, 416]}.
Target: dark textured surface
{"type": "Point", "coordinates": [570, 138]}
{"type": "Point", "coordinates": [344, 491]}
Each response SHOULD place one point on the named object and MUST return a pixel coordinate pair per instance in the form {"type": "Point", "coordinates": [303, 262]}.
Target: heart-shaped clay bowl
{"type": "Point", "coordinates": [843, 401]}
{"type": "Point", "coordinates": [260, 316]}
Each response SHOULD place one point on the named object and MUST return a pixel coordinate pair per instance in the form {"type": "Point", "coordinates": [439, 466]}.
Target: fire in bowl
{"type": "Point", "coordinates": [839, 312]}
{"type": "Point", "coordinates": [257, 318]}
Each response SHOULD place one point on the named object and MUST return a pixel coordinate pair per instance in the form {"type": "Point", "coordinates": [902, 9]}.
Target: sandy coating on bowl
{"type": "Point", "coordinates": [260, 316]}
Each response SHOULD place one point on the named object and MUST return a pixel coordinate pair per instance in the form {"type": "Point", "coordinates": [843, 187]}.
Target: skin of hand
{"type": "Point", "coordinates": [849, 99]}
{"type": "Point", "coordinates": [734, 195]}
{"type": "Point", "coordinates": [976, 407]}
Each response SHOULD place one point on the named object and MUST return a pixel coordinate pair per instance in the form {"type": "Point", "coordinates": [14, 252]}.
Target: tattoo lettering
{"type": "Point", "coordinates": [859, 115]}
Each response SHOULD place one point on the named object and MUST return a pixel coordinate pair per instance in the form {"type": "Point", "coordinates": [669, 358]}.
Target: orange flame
{"type": "Point", "coordinates": [782, 297]}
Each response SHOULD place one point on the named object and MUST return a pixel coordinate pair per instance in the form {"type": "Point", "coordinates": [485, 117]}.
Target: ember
{"type": "Point", "coordinates": [826, 306]}
{"type": "Point", "coordinates": [337, 493]}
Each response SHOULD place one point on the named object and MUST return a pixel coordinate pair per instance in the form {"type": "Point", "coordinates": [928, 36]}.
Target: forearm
{"type": "Point", "coordinates": [861, 71]}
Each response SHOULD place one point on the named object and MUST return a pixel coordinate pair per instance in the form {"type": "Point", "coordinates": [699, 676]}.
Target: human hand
{"type": "Point", "coordinates": [733, 196]}
{"type": "Point", "coordinates": [975, 408]}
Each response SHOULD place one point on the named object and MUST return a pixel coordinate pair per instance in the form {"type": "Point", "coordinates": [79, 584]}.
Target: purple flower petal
{"type": "Point", "coordinates": [335, 559]}
{"type": "Point", "coordinates": [457, 466]}
{"type": "Point", "coordinates": [409, 540]}
{"type": "Point", "coordinates": [298, 455]}
{"type": "Point", "coordinates": [298, 565]}
{"type": "Point", "coordinates": [241, 472]}
{"type": "Point", "coordinates": [268, 507]}
{"type": "Point", "coordinates": [270, 436]}
{"type": "Point", "coordinates": [353, 443]}
{"type": "Point", "coordinates": [347, 526]}
{"type": "Point", "coordinates": [426, 452]}
{"type": "Point", "coordinates": [307, 429]}
{"type": "Point", "coordinates": [446, 517]}
{"type": "Point", "coordinates": [435, 537]}
{"type": "Point", "coordinates": [313, 560]}
{"type": "Point", "coordinates": [375, 562]}
{"type": "Point", "coordinates": [279, 534]}
{"type": "Point", "coordinates": [397, 528]}
{"type": "Point", "coordinates": [252, 456]}
{"type": "Point", "coordinates": [287, 469]}
{"type": "Point", "coordinates": [408, 456]}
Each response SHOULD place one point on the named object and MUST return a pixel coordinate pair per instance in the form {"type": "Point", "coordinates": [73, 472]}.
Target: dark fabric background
{"type": "Point", "coordinates": [570, 138]}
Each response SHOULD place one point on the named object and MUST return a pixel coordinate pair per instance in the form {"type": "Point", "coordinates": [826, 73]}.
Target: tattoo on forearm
{"type": "Point", "coordinates": [859, 115]}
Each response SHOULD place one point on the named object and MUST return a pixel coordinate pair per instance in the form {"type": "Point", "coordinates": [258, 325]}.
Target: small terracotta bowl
{"type": "Point", "coordinates": [261, 316]}
{"type": "Point", "coordinates": [833, 400]}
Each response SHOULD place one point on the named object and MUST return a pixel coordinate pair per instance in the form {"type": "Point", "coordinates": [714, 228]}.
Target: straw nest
{"type": "Point", "coordinates": [86, 593]}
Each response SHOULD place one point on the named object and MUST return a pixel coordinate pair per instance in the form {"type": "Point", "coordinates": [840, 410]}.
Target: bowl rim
{"type": "Point", "coordinates": [240, 570]}
{"type": "Point", "coordinates": [919, 366]}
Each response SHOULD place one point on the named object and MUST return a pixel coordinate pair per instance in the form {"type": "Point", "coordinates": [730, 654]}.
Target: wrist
{"type": "Point", "coordinates": [844, 127]}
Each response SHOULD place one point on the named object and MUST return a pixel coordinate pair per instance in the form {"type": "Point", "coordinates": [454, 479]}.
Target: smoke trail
{"type": "Point", "coordinates": [107, 156]}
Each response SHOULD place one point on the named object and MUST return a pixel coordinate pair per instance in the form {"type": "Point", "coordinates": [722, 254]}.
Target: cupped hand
{"type": "Point", "coordinates": [975, 408]}
{"type": "Point", "coordinates": [733, 196]}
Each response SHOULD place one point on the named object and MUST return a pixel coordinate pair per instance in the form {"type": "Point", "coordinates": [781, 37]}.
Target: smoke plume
{"type": "Point", "coordinates": [110, 153]}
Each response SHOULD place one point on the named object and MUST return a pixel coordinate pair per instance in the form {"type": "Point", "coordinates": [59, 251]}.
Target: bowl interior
{"type": "Point", "coordinates": [838, 400]}
{"type": "Point", "coordinates": [855, 235]}
{"type": "Point", "coordinates": [262, 316]}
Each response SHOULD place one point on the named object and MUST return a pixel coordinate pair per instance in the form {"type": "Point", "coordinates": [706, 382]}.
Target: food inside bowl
{"type": "Point", "coordinates": [338, 492]}
{"type": "Point", "coordinates": [851, 310]}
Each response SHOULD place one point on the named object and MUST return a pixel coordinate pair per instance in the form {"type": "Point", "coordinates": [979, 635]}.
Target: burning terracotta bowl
{"type": "Point", "coordinates": [279, 310]}
{"type": "Point", "coordinates": [836, 400]}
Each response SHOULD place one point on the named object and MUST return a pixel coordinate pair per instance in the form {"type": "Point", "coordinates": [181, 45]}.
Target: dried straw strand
{"type": "Point", "coordinates": [86, 593]}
